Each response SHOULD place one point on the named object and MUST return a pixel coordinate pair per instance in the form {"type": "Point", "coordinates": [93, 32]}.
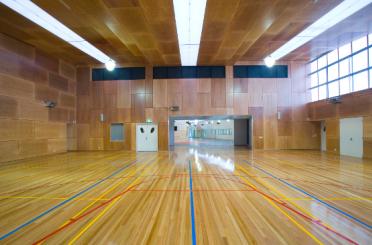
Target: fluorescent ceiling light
{"type": "Point", "coordinates": [189, 21]}
{"type": "Point", "coordinates": [37, 15]}
{"type": "Point", "coordinates": [345, 9]}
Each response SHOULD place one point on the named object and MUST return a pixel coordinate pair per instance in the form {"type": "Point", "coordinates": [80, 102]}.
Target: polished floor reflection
{"type": "Point", "coordinates": [188, 195]}
{"type": "Point", "coordinates": [199, 142]}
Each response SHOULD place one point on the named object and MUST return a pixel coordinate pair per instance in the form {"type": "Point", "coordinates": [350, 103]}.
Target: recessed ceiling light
{"type": "Point", "coordinates": [269, 61]}
{"type": "Point", "coordinates": [345, 9]}
{"type": "Point", "coordinates": [37, 15]}
{"type": "Point", "coordinates": [189, 21]}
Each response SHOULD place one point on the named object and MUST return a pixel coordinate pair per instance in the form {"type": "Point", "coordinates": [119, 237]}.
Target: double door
{"type": "Point", "coordinates": [147, 137]}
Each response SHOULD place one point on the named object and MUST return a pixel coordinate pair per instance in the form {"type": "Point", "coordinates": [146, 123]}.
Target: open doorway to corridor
{"type": "Point", "coordinates": [214, 131]}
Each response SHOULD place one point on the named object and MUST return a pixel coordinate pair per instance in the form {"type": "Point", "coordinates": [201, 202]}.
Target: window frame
{"type": "Point", "coordinates": [114, 125]}
{"type": "Point", "coordinates": [338, 61]}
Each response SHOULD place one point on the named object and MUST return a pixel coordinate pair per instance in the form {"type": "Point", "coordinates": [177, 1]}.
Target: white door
{"type": "Point", "coordinates": [147, 137]}
{"type": "Point", "coordinates": [351, 137]}
{"type": "Point", "coordinates": [323, 134]}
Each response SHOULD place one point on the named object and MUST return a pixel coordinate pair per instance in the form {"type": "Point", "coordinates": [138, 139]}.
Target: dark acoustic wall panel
{"type": "Point", "coordinates": [261, 71]}
{"type": "Point", "coordinates": [165, 72]}
{"type": "Point", "coordinates": [128, 73]}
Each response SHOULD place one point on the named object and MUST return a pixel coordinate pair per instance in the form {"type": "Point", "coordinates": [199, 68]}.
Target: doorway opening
{"type": "Point", "coordinates": [213, 131]}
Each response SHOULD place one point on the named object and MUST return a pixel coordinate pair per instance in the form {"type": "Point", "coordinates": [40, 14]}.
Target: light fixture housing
{"type": "Point", "coordinates": [31, 11]}
{"type": "Point", "coordinates": [189, 22]}
{"type": "Point", "coordinates": [269, 61]}
{"type": "Point", "coordinates": [110, 65]}
{"type": "Point", "coordinates": [345, 9]}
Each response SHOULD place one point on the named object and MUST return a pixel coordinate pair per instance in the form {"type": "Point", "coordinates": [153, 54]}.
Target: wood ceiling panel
{"type": "Point", "coordinates": [252, 29]}
{"type": "Point", "coordinates": [141, 32]}
{"type": "Point", "coordinates": [133, 32]}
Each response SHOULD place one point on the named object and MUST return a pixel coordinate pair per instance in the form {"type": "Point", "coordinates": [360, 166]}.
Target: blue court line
{"type": "Point", "coordinates": [312, 196]}
{"type": "Point", "coordinates": [192, 212]}
{"type": "Point", "coordinates": [64, 202]}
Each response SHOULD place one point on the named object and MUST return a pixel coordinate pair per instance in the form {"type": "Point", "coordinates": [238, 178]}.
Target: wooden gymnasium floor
{"type": "Point", "coordinates": [238, 197]}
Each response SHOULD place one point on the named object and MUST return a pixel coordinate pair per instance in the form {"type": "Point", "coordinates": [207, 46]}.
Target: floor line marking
{"type": "Point", "coordinates": [192, 210]}
{"type": "Point", "coordinates": [30, 221]}
{"type": "Point", "coordinates": [312, 219]}
{"type": "Point", "coordinates": [92, 222]}
{"type": "Point", "coordinates": [312, 196]}
{"type": "Point", "coordinates": [51, 198]}
{"type": "Point", "coordinates": [72, 221]}
{"type": "Point", "coordinates": [270, 201]}
{"type": "Point", "coordinates": [186, 190]}
{"type": "Point", "coordinates": [100, 197]}
{"type": "Point", "coordinates": [108, 191]}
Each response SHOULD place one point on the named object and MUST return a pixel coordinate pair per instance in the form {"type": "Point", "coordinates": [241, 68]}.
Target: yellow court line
{"type": "Point", "coordinates": [283, 197]}
{"type": "Point", "coordinates": [105, 199]}
{"type": "Point", "coordinates": [330, 198]}
{"type": "Point", "coordinates": [285, 213]}
{"type": "Point", "coordinates": [52, 198]}
{"type": "Point", "coordinates": [106, 192]}
{"type": "Point", "coordinates": [84, 229]}
{"type": "Point", "coordinates": [271, 188]}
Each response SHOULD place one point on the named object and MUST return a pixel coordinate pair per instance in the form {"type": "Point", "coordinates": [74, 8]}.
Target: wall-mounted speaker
{"type": "Point", "coordinates": [335, 100]}
{"type": "Point", "coordinates": [174, 108]}
{"type": "Point", "coordinates": [50, 104]}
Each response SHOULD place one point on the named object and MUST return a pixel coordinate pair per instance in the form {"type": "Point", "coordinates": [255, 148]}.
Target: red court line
{"type": "Point", "coordinates": [124, 177]}
{"type": "Point", "coordinates": [316, 222]}
{"type": "Point", "coordinates": [187, 190]}
{"type": "Point", "coordinates": [72, 221]}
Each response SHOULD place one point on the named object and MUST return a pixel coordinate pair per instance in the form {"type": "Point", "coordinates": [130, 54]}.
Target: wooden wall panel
{"type": "Point", "coordinates": [306, 135]}
{"type": "Point", "coordinates": [367, 137]}
{"type": "Point", "coordinates": [58, 82]}
{"type": "Point", "coordinates": [20, 67]}
{"type": "Point", "coordinates": [333, 135]}
{"type": "Point", "coordinates": [240, 85]}
{"type": "Point", "coordinates": [44, 60]}
{"type": "Point", "coordinates": [67, 70]}
{"type": "Point", "coordinates": [189, 96]}
{"type": "Point", "coordinates": [57, 146]}
{"type": "Point", "coordinates": [83, 78]}
{"type": "Point", "coordinates": [27, 78]}
{"type": "Point", "coordinates": [218, 93]}
{"type": "Point", "coordinates": [160, 93]}
{"type": "Point", "coordinates": [32, 148]}
{"type": "Point", "coordinates": [43, 92]}
{"type": "Point", "coordinates": [133, 102]}
{"type": "Point", "coordinates": [9, 150]}
{"type": "Point", "coordinates": [11, 86]}
{"type": "Point", "coordinates": [255, 92]}
{"type": "Point", "coordinates": [8, 107]}
{"type": "Point", "coordinates": [241, 103]}
{"type": "Point", "coordinates": [163, 136]}
{"type": "Point", "coordinates": [123, 94]}
{"type": "Point", "coordinates": [15, 129]}
{"type": "Point", "coordinates": [204, 86]}
{"type": "Point", "coordinates": [138, 107]}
